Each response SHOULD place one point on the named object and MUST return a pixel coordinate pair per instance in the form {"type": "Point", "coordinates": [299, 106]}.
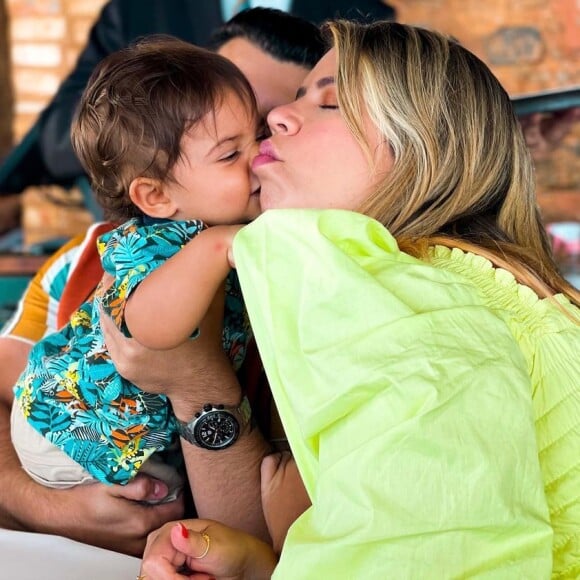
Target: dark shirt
{"type": "Point", "coordinates": [45, 155]}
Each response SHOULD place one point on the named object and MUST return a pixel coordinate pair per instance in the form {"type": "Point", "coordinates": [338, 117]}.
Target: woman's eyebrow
{"type": "Point", "coordinates": [319, 84]}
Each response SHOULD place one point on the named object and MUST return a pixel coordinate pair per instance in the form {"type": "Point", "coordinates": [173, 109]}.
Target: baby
{"type": "Point", "coordinates": [166, 132]}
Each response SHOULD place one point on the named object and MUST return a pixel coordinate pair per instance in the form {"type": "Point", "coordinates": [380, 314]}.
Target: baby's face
{"type": "Point", "coordinates": [212, 180]}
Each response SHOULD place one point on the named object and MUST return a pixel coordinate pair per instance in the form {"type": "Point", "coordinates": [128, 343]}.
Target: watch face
{"type": "Point", "coordinates": [216, 429]}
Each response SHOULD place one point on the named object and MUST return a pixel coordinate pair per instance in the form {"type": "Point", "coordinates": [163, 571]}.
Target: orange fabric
{"type": "Point", "coordinates": [85, 276]}
{"type": "Point", "coordinates": [35, 303]}
{"type": "Point", "coordinates": [36, 314]}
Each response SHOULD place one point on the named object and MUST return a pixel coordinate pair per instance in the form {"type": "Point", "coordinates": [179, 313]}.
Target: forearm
{"type": "Point", "coordinates": [227, 488]}
{"type": "Point", "coordinates": [188, 282]}
{"type": "Point", "coordinates": [22, 506]}
{"type": "Point", "coordinates": [226, 483]}
{"type": "Point", "coordinates": [14, 483]}
{"type": "Point", "coordinates": [17, 502]}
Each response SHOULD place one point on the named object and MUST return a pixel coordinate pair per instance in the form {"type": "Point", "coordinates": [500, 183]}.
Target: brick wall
{"type": "Point", "coordinates": [45, 37]}
{"type": "Point", "coordinates": [6, 103]}
{"type": "Point", "coordinates": [530, 45]}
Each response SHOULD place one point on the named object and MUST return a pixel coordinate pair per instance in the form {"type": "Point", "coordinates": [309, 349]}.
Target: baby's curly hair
{"type": "Point", "coordinates": [136, 107]}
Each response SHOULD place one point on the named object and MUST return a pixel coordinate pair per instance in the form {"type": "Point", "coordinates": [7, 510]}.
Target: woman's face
{"type": "Point", "coordinates": [312, 159]}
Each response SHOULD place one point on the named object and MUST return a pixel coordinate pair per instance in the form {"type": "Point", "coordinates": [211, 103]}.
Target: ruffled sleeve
{"type": "Point", "coordinates": [406, 402]}
{"type": "Point", "coordinates": [550, 342]}
{"type": "Point", "coordinates": [557, 407]}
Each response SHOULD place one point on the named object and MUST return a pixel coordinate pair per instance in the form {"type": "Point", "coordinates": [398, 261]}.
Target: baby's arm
{"type": "Point", "coordinates": [169, 304]}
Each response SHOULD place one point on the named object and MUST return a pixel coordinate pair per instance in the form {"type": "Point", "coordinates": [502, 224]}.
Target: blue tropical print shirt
{"type": "Point", "coordinates": [70, 391]}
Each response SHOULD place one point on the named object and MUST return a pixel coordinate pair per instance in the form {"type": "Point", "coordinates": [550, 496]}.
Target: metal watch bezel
{"type": "Point", "coordinates": [234, 419]}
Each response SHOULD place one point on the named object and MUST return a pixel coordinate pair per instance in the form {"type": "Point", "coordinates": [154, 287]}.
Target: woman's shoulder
{"type": "Point", "coordinates": [550, 342]}
{"type": "Point", "coordinates": [517, 303]}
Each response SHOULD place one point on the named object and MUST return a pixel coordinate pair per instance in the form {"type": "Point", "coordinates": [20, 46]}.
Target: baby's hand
{"type": "Point", "coordinates": [231, 259]}
{"type": "Point", "coordinates": [284, 497]}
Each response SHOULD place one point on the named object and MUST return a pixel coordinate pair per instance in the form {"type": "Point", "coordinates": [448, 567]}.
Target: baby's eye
{"type": "Point", "coordinates": [230, 156]}
{"type": "Point", "coordinates": [329, 106]}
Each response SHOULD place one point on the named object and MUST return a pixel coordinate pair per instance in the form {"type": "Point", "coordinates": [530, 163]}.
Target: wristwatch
{"type": "Point", "coordinates": [216, 426]}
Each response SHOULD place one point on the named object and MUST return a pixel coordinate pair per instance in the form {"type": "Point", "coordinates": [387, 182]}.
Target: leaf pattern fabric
{"type": "Point", "coordinates": [70, 391]}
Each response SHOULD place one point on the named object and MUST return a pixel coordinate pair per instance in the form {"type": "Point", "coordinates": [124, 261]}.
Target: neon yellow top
{"type": "Point", "coordinates": [433, 408]}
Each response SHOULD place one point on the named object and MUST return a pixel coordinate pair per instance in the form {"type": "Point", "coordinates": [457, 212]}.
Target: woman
{"type": "Point", "coordinates": [423, 356]}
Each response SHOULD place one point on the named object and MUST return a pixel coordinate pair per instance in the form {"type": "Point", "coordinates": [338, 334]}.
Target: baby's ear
{"type": "Point", "coordinates": [149, 196]}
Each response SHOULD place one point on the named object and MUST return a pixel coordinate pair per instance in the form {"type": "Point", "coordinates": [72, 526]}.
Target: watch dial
{"type": "Point", "coordinates": [217, 430]}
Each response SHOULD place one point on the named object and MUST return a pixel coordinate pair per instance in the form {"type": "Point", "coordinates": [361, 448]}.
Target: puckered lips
{"type": "Point", "coordinates": [266, 154]}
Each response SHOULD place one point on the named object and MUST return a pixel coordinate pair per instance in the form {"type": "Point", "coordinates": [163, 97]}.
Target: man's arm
{"type": "Point", "coordinates": [96, 514]}
{"type": "Point", "coordinates": [13, 357]}
{"type": "Point", "coordinates": [225, 484]}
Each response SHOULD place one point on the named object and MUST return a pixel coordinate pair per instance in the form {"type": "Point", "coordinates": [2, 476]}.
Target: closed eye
{"type": "Point", "coordinates": [230, 156]}
{"type": "Point", "coordinates": [329, 106]}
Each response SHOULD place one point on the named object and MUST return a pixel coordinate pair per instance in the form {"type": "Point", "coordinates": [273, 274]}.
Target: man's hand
{"type": "Point", "coordinates": [169, 372]}
{"type": "Point", "coordinates": [154, 371]}
{"type": "Point", "coordinates": [115, 519]}
{"type": "Point", "coordinates": [107, 516]}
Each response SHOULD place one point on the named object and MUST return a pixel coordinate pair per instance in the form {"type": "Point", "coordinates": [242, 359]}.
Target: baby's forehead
{"type": "Point", "coordinates": [233, 106]}
{"type": "Point", "coordinates": [231, 115]}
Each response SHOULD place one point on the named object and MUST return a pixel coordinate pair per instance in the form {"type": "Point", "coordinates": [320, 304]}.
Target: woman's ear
{"type": "Point", "coordinates": [149, 196]}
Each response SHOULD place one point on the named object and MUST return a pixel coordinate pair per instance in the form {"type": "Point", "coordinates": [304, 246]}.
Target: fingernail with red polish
{"type": "Point", "coordinates": [184, 531]}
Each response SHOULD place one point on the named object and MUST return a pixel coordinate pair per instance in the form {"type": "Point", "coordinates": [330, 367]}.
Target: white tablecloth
{"type": "Point", "coordinates": [25, 556]}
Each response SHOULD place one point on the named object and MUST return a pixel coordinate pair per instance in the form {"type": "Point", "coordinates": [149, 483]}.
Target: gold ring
{"type": "Point", "coordinates": [207, 539]}
{"type": "Point", "coordinates": [141, 577]}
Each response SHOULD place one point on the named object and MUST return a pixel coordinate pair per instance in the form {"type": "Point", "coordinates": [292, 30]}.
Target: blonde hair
{"type": "Point", "coordinates": [462, 173]}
